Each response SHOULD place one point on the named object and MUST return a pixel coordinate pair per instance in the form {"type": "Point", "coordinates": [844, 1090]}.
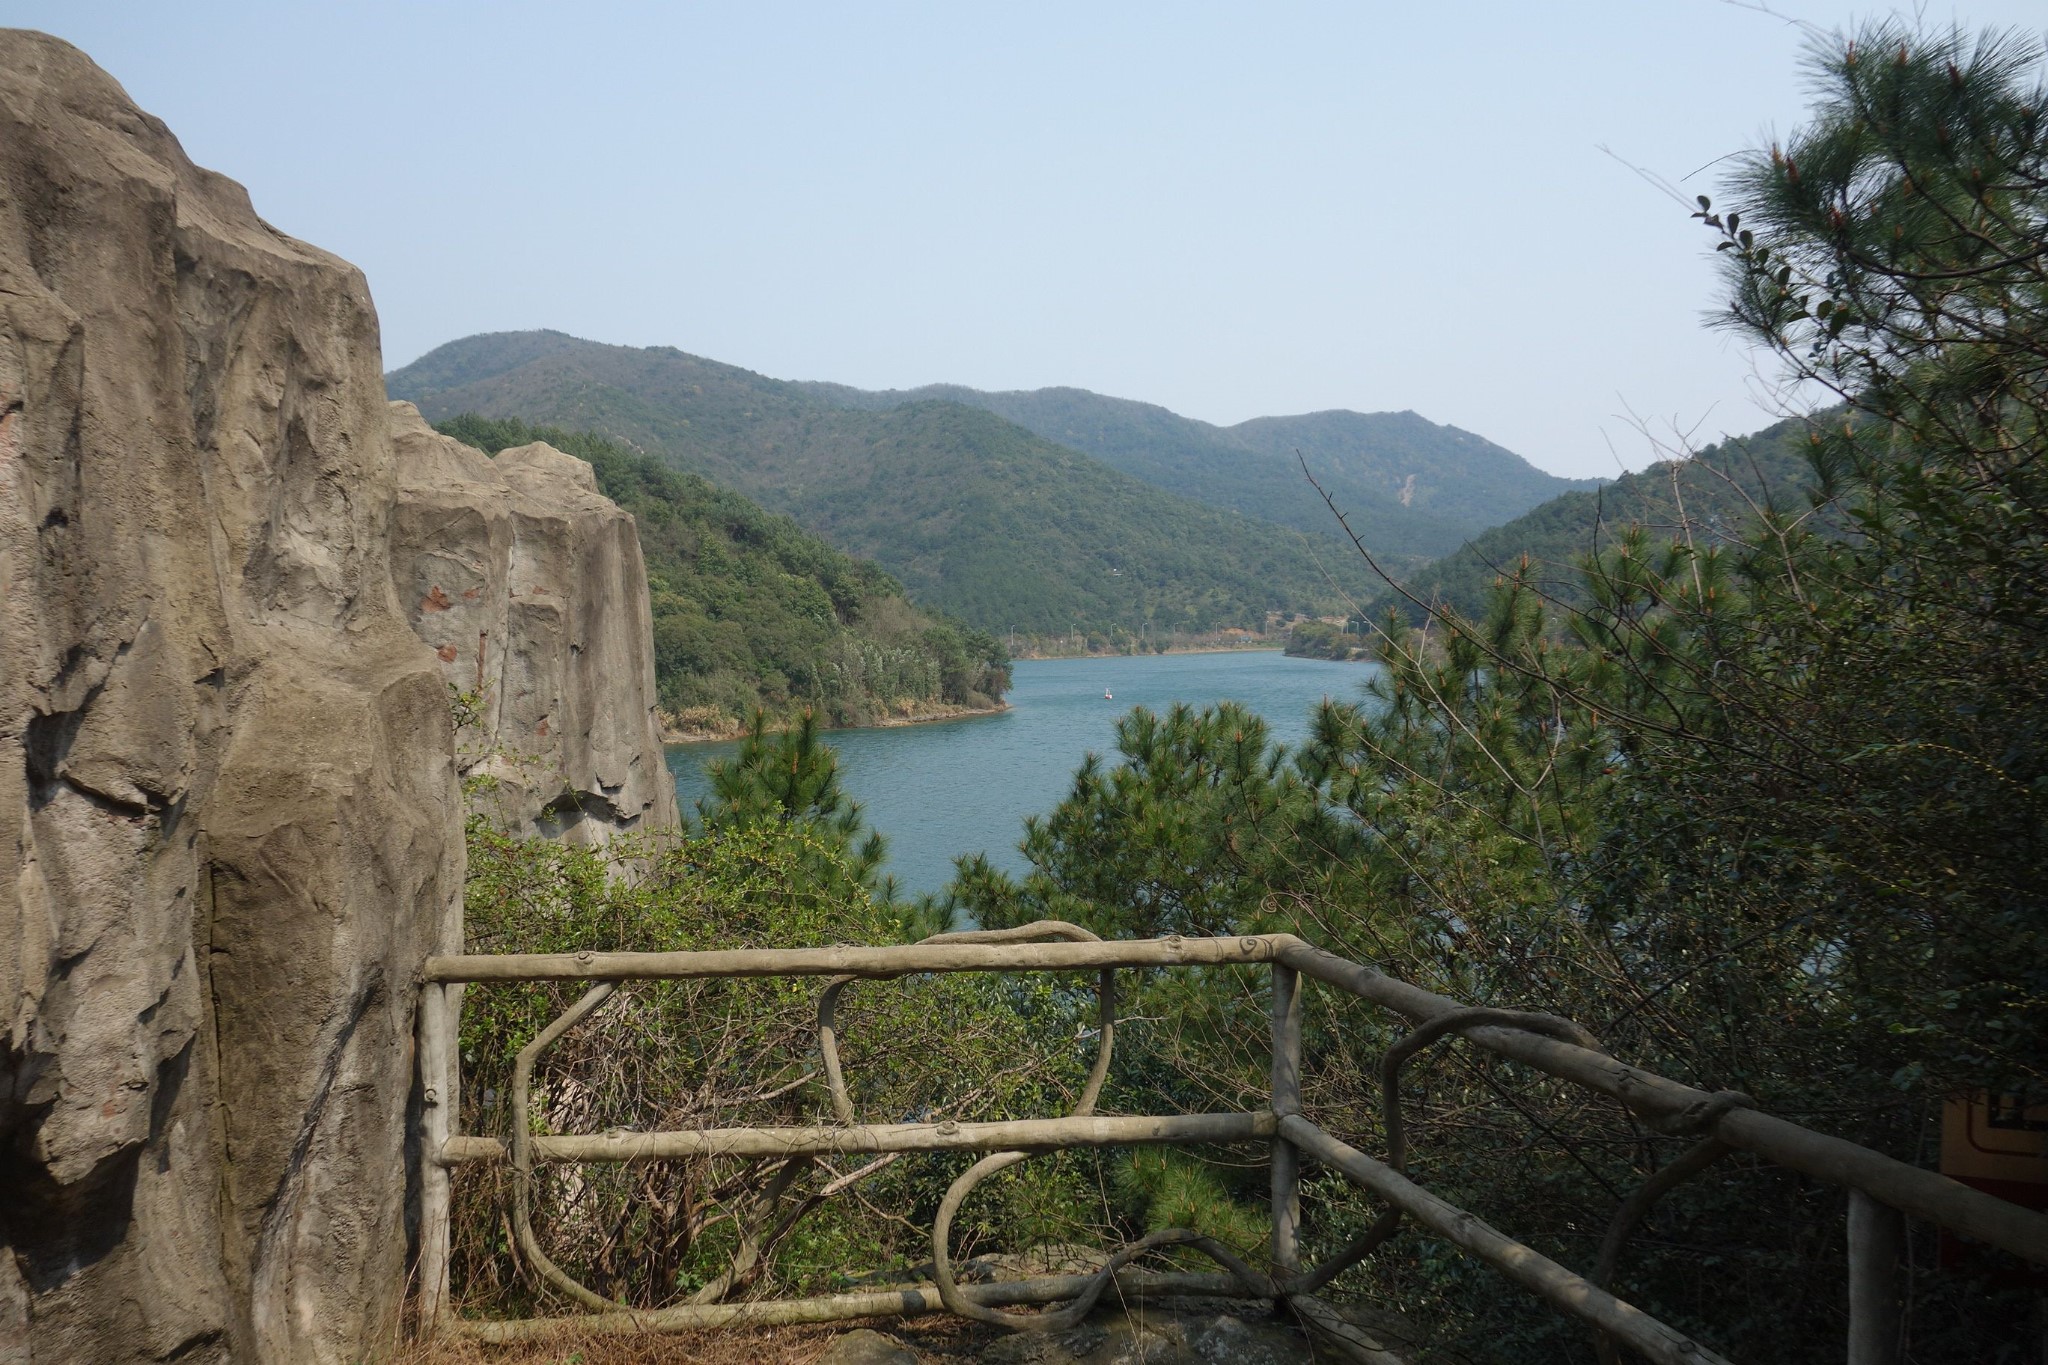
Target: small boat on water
{"type": "Point", "coordinates": [1106, 696]}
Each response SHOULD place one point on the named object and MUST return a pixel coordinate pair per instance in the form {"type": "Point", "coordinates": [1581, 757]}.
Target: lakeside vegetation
{"type": "Point", "coordinates": [775, 856]}
{"type": "Point", "coordinates": [1338, 641]}
{"type": "Point", "coordinates": [753, 613]}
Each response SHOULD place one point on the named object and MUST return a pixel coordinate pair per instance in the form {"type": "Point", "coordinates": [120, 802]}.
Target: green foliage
{"type": "Point", "coordinates": [977, 516]}
{"type": "Point", "coordinates": [752, 612]}
{"type": "Point", "coordinates": [1163, 1188]}
{"type": "Point", "coordinates": [1896, 251]}
{"type": "Point", "coordinates": [1328, 640]}
{"type": "Point", "coordinates": [694, 1054]}
{"type": "Point", "coordinates": [792, 778]}
{"type": "Point", "coordinates": [778, 857]}
{"type": "Point", "coordinates": [1178, 838]}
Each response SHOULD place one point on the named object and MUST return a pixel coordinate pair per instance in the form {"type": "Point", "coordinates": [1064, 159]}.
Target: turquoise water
{"type": "Point", "coordinates": [965, 786]}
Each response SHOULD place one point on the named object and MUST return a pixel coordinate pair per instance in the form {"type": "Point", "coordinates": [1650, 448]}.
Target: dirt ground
{"type": "Point", "coordinates": [937, 1338]}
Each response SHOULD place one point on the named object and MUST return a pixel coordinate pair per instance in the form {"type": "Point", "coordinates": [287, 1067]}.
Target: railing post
{"type": "Point", "coordinates": [1286, 1157]}
{"type": "Point", "coordinates": [439, 1100]}
{"type": "Point", "coordinates": [1877, 1234]}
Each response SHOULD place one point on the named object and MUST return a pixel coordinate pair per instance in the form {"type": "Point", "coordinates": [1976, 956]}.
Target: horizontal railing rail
{"type": "Point", "coordinates": [1882, 1188]}
{"type": "Point", "coordinates": [877, 963]}
{"type": "Point", "coordinates": [1039, 1135]}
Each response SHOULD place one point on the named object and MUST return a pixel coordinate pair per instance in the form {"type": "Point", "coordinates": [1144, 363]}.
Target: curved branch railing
{"type": "Point", "coordinates": [522, 1150]}
{"type": "Point", "coordinates": [1882, 1189]}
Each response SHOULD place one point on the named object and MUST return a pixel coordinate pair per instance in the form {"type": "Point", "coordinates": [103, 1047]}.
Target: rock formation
{"type": "Point", "coordinates": [228, 808]}
{"type": "Point", "coordinates": [528, 583]}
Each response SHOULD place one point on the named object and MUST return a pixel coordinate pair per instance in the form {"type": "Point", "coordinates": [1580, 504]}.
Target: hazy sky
{"type": "Point", "coordinates": [1232, 210]}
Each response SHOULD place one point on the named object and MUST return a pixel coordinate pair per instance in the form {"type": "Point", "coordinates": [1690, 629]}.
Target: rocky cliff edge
{"type": "Point", "coordinates": [529, 585]}
{"type": "Point", "coordinates": [230, 814]}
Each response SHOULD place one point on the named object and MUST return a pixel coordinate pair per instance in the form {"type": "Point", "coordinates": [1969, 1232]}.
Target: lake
{"type": "Point", "coordinates": [965, 786]}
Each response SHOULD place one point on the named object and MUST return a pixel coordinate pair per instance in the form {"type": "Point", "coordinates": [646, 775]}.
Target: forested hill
{"type": "Point", "coordinates": [1410, 488]}
{"type": "Point", "coordinates": [977, 516]}
{"type": "Point", "coordinates": [1719, 489]}
{"type": "Point", "coordinates": [752, 610]}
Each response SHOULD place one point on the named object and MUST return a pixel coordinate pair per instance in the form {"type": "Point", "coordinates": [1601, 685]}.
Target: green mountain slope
{"type": "Point", "coordinates": [1411, 489]}
{"type": "Point", "coordinates": [977, 516]}
{"type": "Point", "coordinates": [1428, 469]}
{"type": "Point", "coordinates": [1715, 491]}
{"type": "Point", "coordinates": [751, 610]}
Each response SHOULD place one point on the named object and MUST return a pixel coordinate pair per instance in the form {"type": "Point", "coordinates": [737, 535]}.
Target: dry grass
{"type": "Point", "coordinates": [936, 1338]}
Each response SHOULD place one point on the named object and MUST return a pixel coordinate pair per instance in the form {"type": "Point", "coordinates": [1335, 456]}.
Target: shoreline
{"type": "Point", "coordinates": [1152, 653]}
{"type": "Point", "coordinates": [672, 737]}
{"type": "Point", "coordinates": [695, 735]}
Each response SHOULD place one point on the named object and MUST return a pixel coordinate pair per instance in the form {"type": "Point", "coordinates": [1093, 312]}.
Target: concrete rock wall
{"type": "Point", "coordinates": [230, 824]}
{"type": "Point", "coordinates": [529, 585]}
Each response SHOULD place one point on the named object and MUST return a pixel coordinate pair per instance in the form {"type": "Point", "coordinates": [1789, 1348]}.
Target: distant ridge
{"type": "Point", "coordinates": [1043, 513]}
{"type": "Point", "coordinates": [1410, 487]}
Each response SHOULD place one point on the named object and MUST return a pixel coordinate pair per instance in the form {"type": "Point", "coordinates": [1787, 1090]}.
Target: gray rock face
{"type": "Point", "coordinates": [229, 821]}
{"type": "Point", "coordinates": [865, 1346]}
{"type": "Point", "coordinates": [1188, 1333]}
{"type": "Point", "coordinates": [529, 585]}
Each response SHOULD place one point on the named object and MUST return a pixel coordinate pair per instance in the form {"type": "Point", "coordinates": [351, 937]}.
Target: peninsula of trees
{"type": "Point", "coordinates": [751, 612]}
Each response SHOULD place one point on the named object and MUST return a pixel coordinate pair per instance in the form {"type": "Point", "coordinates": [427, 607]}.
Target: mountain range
{"type": "Point", "coordinates": [1409, 487]}
{"type": "Point", "coordinates": [1038, 513]}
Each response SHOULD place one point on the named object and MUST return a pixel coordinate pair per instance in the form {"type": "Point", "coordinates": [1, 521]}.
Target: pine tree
{"type": "Point", "coordinates": [792, 778]}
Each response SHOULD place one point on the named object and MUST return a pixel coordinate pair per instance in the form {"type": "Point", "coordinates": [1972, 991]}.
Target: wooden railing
{"type": "Point", "coordinates": [1882, 1190]}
